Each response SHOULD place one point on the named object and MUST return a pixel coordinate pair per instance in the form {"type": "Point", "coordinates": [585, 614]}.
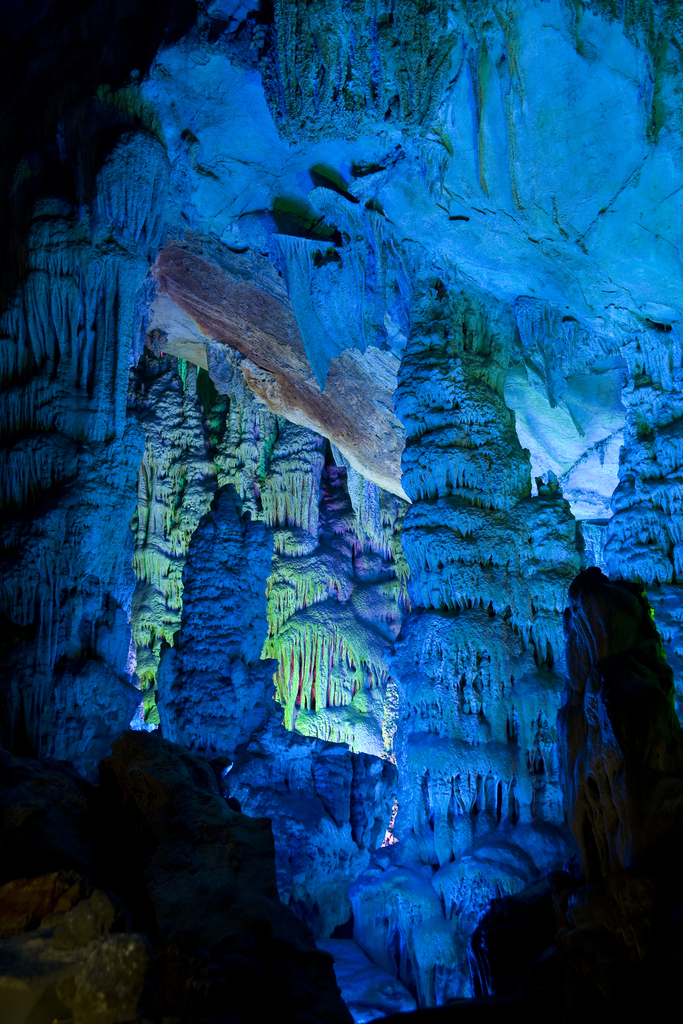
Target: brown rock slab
{"type": "Point", "coordinates": [254, 317]}
{"type": "Point", "coordinates": [24, 902]}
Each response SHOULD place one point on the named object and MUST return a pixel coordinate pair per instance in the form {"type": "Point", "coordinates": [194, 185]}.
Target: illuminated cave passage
{"type": "Point", "coordinates": [341, 630]}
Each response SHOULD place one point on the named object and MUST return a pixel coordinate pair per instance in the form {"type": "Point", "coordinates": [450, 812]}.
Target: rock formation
{"type": "Point", "coordinates": [623, 741]}
{"type": "Point", "coordinates": [194, 909]}
{"type": "Point", "coordinates": [335, 341]}
{"type": "Point", "coordinates": [610, 934]}
{"type": "Point", "coordinates": [480, 806]}
{"type": "Point", "coordinates": [238, 308]}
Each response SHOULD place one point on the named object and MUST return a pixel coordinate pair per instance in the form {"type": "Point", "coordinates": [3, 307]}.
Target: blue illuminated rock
{"type": "Point", "coordinates": [70, 459]}
{"type": "Point", "coordinates": [337, 340]}
{"type": "Point", "coordinates": [368, 991]}
{"type": "Point", "coordinates": [214, 690]}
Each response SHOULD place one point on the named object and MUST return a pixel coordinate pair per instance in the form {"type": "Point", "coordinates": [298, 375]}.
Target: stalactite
{"type": "Point", "coordinates": [332, 614]}
{"type": "Point", "coordinates": [70, 455]}
{"type": "Point", "coordinates": [644, 536]}
{"type": "Point", "coordinates": [176, 483]}
{"type": "Point", "coordinates": [477, 659]}
{"type": "Point", "coordinates": [290, 490]}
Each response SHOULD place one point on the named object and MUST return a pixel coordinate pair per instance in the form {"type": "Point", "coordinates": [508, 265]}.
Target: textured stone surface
{"type": "Point", "coordinates": [333, 617]}
{"type": "Point", "coordinates": [623, 741]}
{"type": "Point", "coordinates": [24, 902]}
{"type": "Point", "coordinates": [606, 942]}
{"type": "Point", "coordinates": [369, 992]}
{"type": "Point", "coordinates": [30, 969]}
{"type": "Point", "coordinates": [69, 457]}
{"type": "Point", "coordinates": [332, 608]}
{"type": "Point", "coordinates": [214, 690]}
{"type": "Point", "coordinates": [200, 878]}
{"type": "Point", "coordinates": [176, 482]}
{"type": "Point", "coordinates": [209, 873]}
{"type": "Point", "coordinates": [253, 315]}
{"type": "Point", "coordinates": [158, 786]}
{"type": "Point", "coordinates": [106, 989]}
{"type": "Point", "coordinates": [329, 808]}
{"type": "Point", "coordinates": [477, 663]}
{"type": "Point", "coordinates": [445, 238]}
{"type": "Point", "coordinates": [71, 962]}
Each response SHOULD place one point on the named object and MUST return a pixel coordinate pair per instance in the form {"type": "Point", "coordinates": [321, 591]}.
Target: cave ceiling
{"type": "Point", "coordinates": [554, 193]}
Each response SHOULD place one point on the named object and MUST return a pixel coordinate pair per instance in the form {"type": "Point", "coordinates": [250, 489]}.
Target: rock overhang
{"type": "Point", "coordinates": [249, 328]}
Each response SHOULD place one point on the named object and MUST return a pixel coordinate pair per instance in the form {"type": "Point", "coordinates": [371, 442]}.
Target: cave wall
{"type": "Point", "coordinates": [330, 355]}
{"type": "Point", "coordinates": [71, 459]}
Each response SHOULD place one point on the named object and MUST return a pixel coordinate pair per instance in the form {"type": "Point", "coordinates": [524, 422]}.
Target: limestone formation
{"type": "Point", "coordinates": [70, 456]}
{"type": "Point", "coordinates": [369, 992]}
{"type": "Point", "coordinates": [336, 340]}
{"type": "Point", "coordinates": [349, 401]}
{"type": "Point", "coordinates": [605, 941]}
{"type": "Point", "coordinates": [480, 805]}
{"type": "Point", "coordinates": [330, 809]}
{"type": "Point", "coordinates": [176, 482]}
{"type": "Point", "coordinates": [623, 742]}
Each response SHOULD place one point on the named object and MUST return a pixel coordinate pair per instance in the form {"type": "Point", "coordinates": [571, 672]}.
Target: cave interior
{"type": "Point", "coordinates": [341, 456]}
